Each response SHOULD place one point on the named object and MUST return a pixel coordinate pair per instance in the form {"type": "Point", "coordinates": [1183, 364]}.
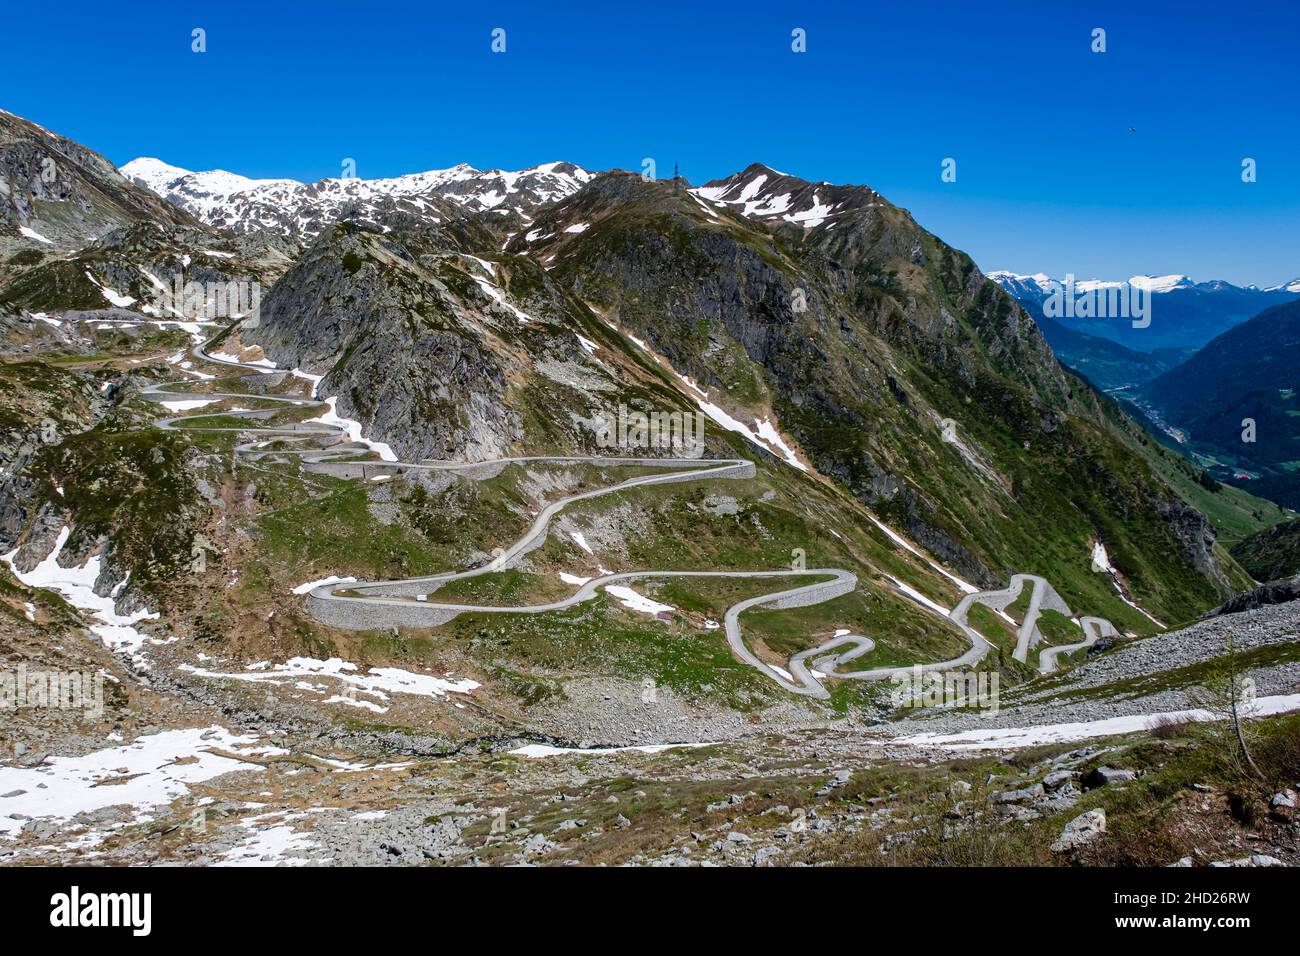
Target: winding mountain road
{"type": "Point", "coordinates": [404, 603]}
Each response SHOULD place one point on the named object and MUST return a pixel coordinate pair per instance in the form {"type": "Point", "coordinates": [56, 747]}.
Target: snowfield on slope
{"type": "Point", "coordinates": [149, 772]}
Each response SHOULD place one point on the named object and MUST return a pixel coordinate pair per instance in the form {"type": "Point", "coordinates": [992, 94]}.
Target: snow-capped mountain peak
{"type": "Point", "coordinates": [1160, 283]}
{"type": "Point", "coordinates": [1002, 276]}
{"type": "Point", "coordinates": [240, 204]}
{"type": "Point", "coordinates": [1015, 283]}
{"type": "Point", "coordinates": [761, 192]}
{"type": "Point", "coordinates": [205, 194]}
{"type": "Point", "coordinates": [152, 173]}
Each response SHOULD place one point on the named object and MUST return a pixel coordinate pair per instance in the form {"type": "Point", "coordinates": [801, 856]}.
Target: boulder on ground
{"type": "Point", "coordinates": [1081, 831]}
{"type": "Point", "coordinates": [1103, 776]}
{"type": "Point", "coordinates": [1058, 779]}
{"type": "Point", "coordinates": [1025, 795]}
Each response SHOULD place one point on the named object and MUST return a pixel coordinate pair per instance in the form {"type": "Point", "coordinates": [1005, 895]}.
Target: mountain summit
{"type": "Point", "coordinates": [301, 210]}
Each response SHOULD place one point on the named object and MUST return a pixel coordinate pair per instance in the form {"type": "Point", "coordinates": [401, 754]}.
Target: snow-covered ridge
{"type": "Point", "coordinates": [761, 192]}
{"type": "Point", "coordinates": [1045, 282]}
{"type": "Point", "coordinates": [241, 204]}
{"type": "Point", "coordinates": [1042, 284]}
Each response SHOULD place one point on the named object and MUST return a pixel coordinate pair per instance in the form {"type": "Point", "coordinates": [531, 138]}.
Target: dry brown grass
{"type": "Point", "coordinates": [1278, 754]}
{"type": "Point", "coordinates": [1168, 727]}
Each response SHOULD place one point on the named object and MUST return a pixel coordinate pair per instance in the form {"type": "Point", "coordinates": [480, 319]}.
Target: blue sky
{"type": "Point", "coordinates": [1048, 175]}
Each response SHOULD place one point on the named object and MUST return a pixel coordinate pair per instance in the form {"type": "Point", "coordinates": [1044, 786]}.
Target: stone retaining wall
{"type": "Point", "coordinates": [815, 594]}
{"type": "Point", "coordinates": [369, 615]}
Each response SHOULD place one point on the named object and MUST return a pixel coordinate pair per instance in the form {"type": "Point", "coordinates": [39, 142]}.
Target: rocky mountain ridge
{"type": "Point", "coordinates": [56, 194]}
{"type": "Point", "coordinates": [302, 210]}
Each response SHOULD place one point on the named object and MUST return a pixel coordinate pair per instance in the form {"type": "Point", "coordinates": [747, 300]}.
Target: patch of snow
{"type": "Point", "coordinates": [545, 750]}
{"type": "Point", "coordinates": [1006, 737]}
{"type": "Point", "coordinates": [312, 585]}
{"type": "Point", "coordinates": [965, 586]}
{"type": "Point", "coordinates": [230, 358]}
{"type": "Point", "coordinates": [1100, 563]}
{"type": "Point", "coordinates": [355, 702]}
{"type": "Point", "coordinates": [726, 421]}
{"type": "Point", "coordinates": [917, 596]}
{"type": "Point", "coordinates": [270, 846]}
{"type": "Point", "coordinates": [495, 294]}
{"type": "Point", "coordinates": [33, 234]}
{"type": "Point", "coordinates": [637, 602]}
{"type": "Point", "coordinates": [812, 217]}
{"type": "Point", "coordinates": [149, 772]}
{"type": "Point", "coordinates": [767, 437]}
{"type": "Point", "coordinates": [353, 430]}
{"type": "Point", "coordinates": [1100, 560]}
{"type": "Point", "coordinates": [77, 585]}
{"type": "Point", "coordinates": [313, 379]}
{"type": "Point", "coordinates": [768, 433]}
{"type": "Point", "coordinates": [114, 298]}
{"type": "Point", "coordinates": [377, 682]}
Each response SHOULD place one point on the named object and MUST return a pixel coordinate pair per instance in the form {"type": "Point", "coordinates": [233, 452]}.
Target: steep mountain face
{"type": "Point", "coordinates": [1184, 314]}
{"type": "Point", "coordinates": [1250, 373]}
{"type": "Point", "coordinates": [1105, 363]}
{"type": "Point", "coordinates": [139, 267]}
{"type": "Point", "coordinates": [1259, 354]}
{"type": "Point", "coordinates": [896, 367]}
{"type": "Point", "coordinates": [96, 256]}
{"type": "Point", "coordinates": [1271, 554]}
{"type": "Point", "coordinates": [441, 346]}
{"type": "Point", "coordinates": [303, 210]}
{"type": "Point", "coordinates": [56, 194]}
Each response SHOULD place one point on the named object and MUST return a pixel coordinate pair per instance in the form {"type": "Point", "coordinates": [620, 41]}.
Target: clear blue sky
{"type": "Point", "coordinates": [1048, 175]}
